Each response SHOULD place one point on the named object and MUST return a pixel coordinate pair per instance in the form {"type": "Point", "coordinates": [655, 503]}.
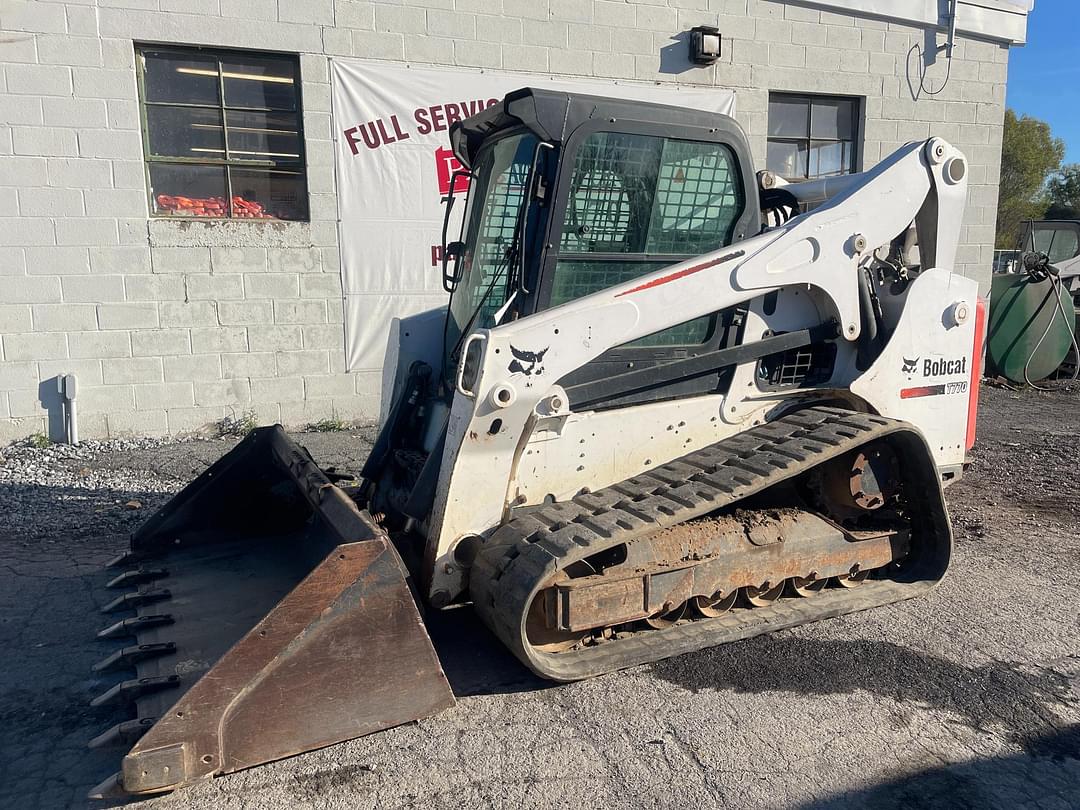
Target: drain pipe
{"type": "Point", "coordinates": [68, 385]}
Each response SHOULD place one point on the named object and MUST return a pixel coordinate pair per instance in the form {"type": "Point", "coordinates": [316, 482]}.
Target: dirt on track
{"type": "Point", "coordinates": [968, 698]}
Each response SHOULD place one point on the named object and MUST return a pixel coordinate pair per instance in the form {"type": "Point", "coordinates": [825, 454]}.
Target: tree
{"type": "Point", "coordinates": [1029, 154]}
{"type": "Point", "coordinates": [1064, 191]}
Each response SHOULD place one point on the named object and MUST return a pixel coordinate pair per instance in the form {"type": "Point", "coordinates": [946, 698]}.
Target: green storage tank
{"type": "Point", "coordinates": [1020, 310]}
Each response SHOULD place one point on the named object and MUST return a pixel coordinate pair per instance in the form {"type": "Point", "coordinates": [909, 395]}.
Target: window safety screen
{"type": "Point", "coordinates": [811, 136]}
{"type": "Point", "coordinates": [638, 203]}
{"type": "Point", "coordinates": [222, 134]}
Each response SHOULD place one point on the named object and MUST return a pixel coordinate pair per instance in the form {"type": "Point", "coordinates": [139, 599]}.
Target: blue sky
{"type": "Point", "coordinates": [1044, 75]}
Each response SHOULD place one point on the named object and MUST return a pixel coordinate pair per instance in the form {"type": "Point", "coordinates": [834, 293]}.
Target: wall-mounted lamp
{"type": "Point", "coordinates": [704, 44]}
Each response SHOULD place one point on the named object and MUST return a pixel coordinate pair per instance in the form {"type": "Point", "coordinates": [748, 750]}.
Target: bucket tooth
{"type": "Point", "coordinates": [136, 625]}
{"type": "Point", "coordinates": [130, 601]}
{"type": "Point", "coordinates": [125, 559]}
{"type": "Point", "coordinates": [111, 789]}
{"type": "Point", "coordinates": [138, 576]}
{"type": "Point", "coordinates": [129, 656]}
{"type": "Point", "coordinates": [124, 733]}
{"type": "Point", "coordinates": [129, 691]}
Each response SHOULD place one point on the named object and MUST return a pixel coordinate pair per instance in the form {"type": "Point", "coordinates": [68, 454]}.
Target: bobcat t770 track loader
{"type": "Point", "coordinates": [671, 404]}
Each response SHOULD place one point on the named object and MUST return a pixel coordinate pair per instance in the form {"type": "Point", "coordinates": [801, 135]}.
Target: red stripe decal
{"type": "Point", "coordinates": [688, 271]}
{"type": "Point", "coordinates": [923, 391]}
{"type": "Point", "coordinates": [976, 370]}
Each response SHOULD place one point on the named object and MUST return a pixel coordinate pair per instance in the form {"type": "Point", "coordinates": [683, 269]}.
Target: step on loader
{"type": "Point", "coordinates": [672, 403]}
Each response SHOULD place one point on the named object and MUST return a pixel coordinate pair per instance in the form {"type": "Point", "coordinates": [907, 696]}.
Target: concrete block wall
{"type": "Point", "coordinates": [171, 326]}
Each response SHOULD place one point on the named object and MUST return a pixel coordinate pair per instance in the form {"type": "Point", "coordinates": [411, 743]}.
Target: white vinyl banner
{"type": "Point", "coordinates": [394, 164]}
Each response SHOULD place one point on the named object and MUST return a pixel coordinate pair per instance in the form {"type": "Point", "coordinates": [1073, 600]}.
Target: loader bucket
{"type": "Point", "coordinates": [271, 616]}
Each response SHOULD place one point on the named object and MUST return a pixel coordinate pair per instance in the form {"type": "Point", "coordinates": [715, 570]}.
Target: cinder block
{"type": "Point", "coordinates": [275, 337]}
{"type": "Point", "coordinates": [19, 110]}
{"type": "Point", "coordinates": [548, 33]}
{"type": "Point", "coordinates": [152, 287]}
{"type": "Point", "coordinates": [155, 342]}
{"type": "Point", "coordinates": [119, 202]}
{"type": "Point", "coordinates": [214, 288]}
{"type": "Point", "coordinates": [248, 364]}
{"type": "Point", "coordinates": [57, 261]}
{"type": "Point", "coordinates": [35, 346]}
{"type": "Point", "coordinates": [180, 259]}
{"type": "Point", "coordinates": [570, 62]}
{"type": "Point", "coordinates": [493, 28]}
{"type": "Point", "coordinates": [14, 318]}
{"type": "Point", "coordinates": [50, 202]}
{"type": "Point", "coordinates": [238, 259]}
{"type": "Point", "coordinates": [313, 311]}
{"type": "Point", "coordinates": [843, 37]}
{"type": "Point", "coordinates": [312, 12]}
{"type": "Point", "coordinates": [64, 49]}
{"type": "Point", "coordinates": [193, 368]}
{"type": "Point", "coordinates": [99, 345]}
{"type": "Point", "coordinates": [302, 414]}
{"type": "Point", "coordinates": [96, 289]}
{"type": "Point", "coordinates": [353, 15]}
{"type": "Point", "coordinates": [193, 420]}
{"type": "Point", "coordinates": [44, 141]}
{"type": "Point", "coordinates": [64, 317]}
{"type": "Point", "coordinates": [132, 370]}
{"type": "Point", "coordinates": [223, 392]}
{"type": "Point", "coordinates": [130, 174]}
{"type": "Point", "coordinates": [250, 9]}
{"type": "Point", "coordinates": [18, 375]}
{"type": "Point", "coordinates": [808, 33]}
{"type": "Point", "coordinates": [38, 80]}
{"type": "Point", "coordinates": [477, 54]}
{"type": "Point", "coordinates": [297, 363]}
{"type": "Point", "coordinates": [23, 171]}
{"type": "Point", "coordinates": [615, 14]}
{"type": "Point", "coordinates": [137, 423]}
{"type": "Point", "coordinates": [187, 313]}
{"type": "Point", "coordinates": [244, 313]}
{"type": "Point", "coordinates": [106, 398]}
{"type": "Point", "coordinates": [272, 285]}
{"type": "Point", "coordinates": [87, 371]}
{"type": "Point", "coordinates": [219, 339]}
{"type": "Point", "coordinates": [324, 336]}
{"type": "Point", "coordinates": [120, 260]}
{"type": "Point", "coordinates": [82, 20]}
{"type": "Point", "coordinates": [104, 83]}
{"type": "Point", "coordinates": [854, 61]}
{"type": "Point", "coordinates": [123, 144]}
{"type": "Point", "coordinates": [277, 389]}
{"type": "Point", "coordinates": [90, 231]}
{"type": "Point", "coordinates": [328, 385]}
{"type": "Point", "coordinates": [77, 173]}
{"type": "Point", "coordinates": [149, 396]}
{"type": "Point", "coordinates": [525, 57]}
{"type": "Point", "coordinates": [783, 55]}
{"type": "Point", "coordinates": [377, 45]}
{"type": "Point", "coordinates": [31, 290]}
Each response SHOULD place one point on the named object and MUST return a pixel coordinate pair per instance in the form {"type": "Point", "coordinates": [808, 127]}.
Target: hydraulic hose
{"type": "Point", "coordinates": [1038, 268]}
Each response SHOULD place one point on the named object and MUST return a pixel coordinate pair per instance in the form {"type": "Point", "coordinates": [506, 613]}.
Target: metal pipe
{"type": "Point", "coordinates": [68, 386]}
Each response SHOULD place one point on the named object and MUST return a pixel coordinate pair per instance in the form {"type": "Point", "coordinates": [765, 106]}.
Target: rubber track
{"type": "Point", "coordinates": [523, 556]}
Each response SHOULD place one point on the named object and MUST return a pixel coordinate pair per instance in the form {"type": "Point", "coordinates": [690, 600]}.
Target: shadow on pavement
{"type": "Point", "coordinates": [1050, 778]}
{"type": "Point", "coordinates": [1000, 693]}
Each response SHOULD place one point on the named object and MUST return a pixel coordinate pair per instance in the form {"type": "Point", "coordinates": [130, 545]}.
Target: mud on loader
{"type": "Point", "coordinates": [671, 404]}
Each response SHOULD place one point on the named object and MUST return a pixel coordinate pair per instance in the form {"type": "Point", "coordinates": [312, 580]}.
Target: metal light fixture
{"type": "Point", "coordinates": [704, 44]}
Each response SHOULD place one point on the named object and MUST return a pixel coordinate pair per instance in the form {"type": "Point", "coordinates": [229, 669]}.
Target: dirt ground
{"type": "Point", "coordinates": [969, 698]}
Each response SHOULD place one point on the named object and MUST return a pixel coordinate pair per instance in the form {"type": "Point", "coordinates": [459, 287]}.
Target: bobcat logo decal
{"type": "Point", "coordinates": [528, 363]}
{"type": "Point", "coordinates": [910, 366]}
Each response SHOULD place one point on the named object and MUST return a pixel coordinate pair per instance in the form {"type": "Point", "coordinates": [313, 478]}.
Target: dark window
{"type": "Point", "coordinates": [811, 136]}
{"type": "Point", "coordinates": [1058, 240]}
{"type": "Point", "coordinates": [641, 202]}
{"type": "Point", "coordinates": [222, 134]}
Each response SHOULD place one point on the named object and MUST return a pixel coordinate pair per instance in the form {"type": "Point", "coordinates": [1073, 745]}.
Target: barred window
{"type": "Point", "coordinates": [222, 133]}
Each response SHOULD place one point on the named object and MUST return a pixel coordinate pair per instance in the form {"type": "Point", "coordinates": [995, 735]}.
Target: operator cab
{"type": "Point", "coordinates": [570, 194]}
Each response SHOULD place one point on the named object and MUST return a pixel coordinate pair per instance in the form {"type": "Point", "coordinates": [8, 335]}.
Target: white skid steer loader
{"type": "Point", "coordinates": [667, 408]}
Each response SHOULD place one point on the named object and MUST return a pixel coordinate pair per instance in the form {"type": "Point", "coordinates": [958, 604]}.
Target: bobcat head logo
{"type": "Point", "coordinates": [910, 365]}
{"type": "Point", "coordinates": [528, 363]}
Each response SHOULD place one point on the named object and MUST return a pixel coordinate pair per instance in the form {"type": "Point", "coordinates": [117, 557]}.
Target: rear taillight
{"type": "Point", "coordinates": [976, 370]}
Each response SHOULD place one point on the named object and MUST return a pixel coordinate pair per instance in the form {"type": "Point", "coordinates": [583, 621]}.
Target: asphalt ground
{"type": "Point", "coordinates": [968, 698]}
